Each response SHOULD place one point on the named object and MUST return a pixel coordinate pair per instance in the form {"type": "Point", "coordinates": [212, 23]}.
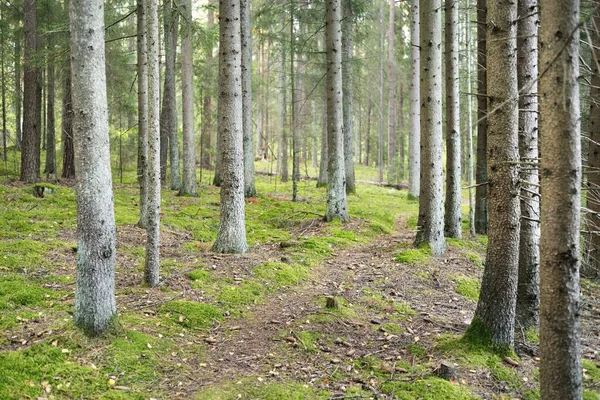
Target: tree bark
{"type": "Point", "coordinates": [249, 187]}
{"type": "Point", "coordinates": [50, 167]}
{"type": "Point", "coordinates": [560, 349]}
{"type": "Point", "coordinates": [18, 100]}
{"type": "Point", "coordinates": [142, 99]}
{"type": "Point", "coordinates": [189, 186]}
{"type": "Point", "coordinates": [528, 300]}
{"type": "Point", "coordinates": [207, 106]}
{"type": "Point", "coordinates": [336, 191]}
{"type": "Point", "coordinates": [469, 134]}
{"type": "Point", "coordinates": [68, 169]}
{"type": "Point", "coordinates": [453, 213]}
{"type": "Point", "coordinates": [496, 306]}
{"type": "Point", "coordinates": [95, 304]}
{"type": "Point", "coordinates": [231, 237]}
{"type": "Point", "coordinates": [481, 196]}
{"type": "Point", "coordinates": [284, 130]}
{"type": "Point", "coordinates": [430, 230]}
{"type": "Point", "coordinates": [4, 82]}
{"type": "Point", "coordinates": [391, 97]}
{"type": "Point", "coordinates": [380, 136]}
{"type": "Point", "coordinates": [414, 138]}
{"type": "Point", "coordinates": [323, 175]}
{"type": "Point", "coordinates": [347, 29]}
{"type": "Point", "coordinates": [30, 150]}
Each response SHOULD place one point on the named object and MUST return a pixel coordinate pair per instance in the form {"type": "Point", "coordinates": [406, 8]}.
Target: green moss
{"type": "Point", "coordinates": [345, 311]}
{"type": "Point", "coordinates": [281, 274]}
{"type": "Point", "coordinates": [252, 389]}
{"type": "Point", "coordinates": [532, 335]}
{"type": "Point", "coordinates": [419, 256]}
{"type": "Point", "coordinates": [24, 254]}
{"type": "Point", "coordinates": [191, 314]}
{"type": "Point", "coordinates": [483, 240]}
{"type": "Point", "coordinates": [591, 395]}
{"type": "Point", "coordinates": [199, 275]}
{"type": "Point", "coordinates": [592, 371]}
{"type": "Point", "coordinates": [478, 335]}
{"type": "Point", "coordinates": [403, 308]}
{"type": "Point", "coordinates": [412, 221]}
{"type": "Point", "coordinates": [243, 294]}
{"type": "Point", "coordinates": [427, 389]}
{"type": "Point", "coordinates": [308, 340]}
{"type": "Point", "coordinates": [416, 349]}
{"type": "Point", "coordinates": [392, 328]}
{"type": "Point", "coordinates": [475, 258]}
{"type": "Point", "coordinates": [15, 293]}
{"type": "Point", "coordinates": [467, 287]}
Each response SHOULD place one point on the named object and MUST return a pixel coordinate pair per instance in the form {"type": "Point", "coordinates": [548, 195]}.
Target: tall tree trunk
{"type": "Point", "coordinates": [142, 98]}
{"type": "Point", "coordinates": [189, 185]}
{"type": "Point", "coordinates": [30, 151]}
{"type": "Point", "coordinates": [284, 131]}
{"type": "Point", "coordinates": [18, 100]}
{"type": "Point", "coordinates": [591, 265]}
{"type": "Point", "coordinates": [249, 187]}
{"type": "Point", "coordinates": [336, 192]}
{"type": "Point", "coordinates": [401, 131]}
{"type": "Point", "coordinates": [4, 82]}
{"type": "Point", "coordinates": [469, 134]}
{"type": "Point", "coordinates": [496, 306]}
{"type": "Point", "coordinates": [481, 191]}
{"type": "Point", "coordinates": [323, 174]}
{"type": "Point", "coordinates": [294, 110]}
{"type": "Point", "coordinates": [231, 237]}
{"type": "Point", "coordinates": [68, 169]}
{"type": "Point", "coordinates": [207, 107]}
{"type": "Point", "coordinates": [169, 137]}
{"type": "Point", "coordinates": [414, 138]}
{"type": "Point", "coordinates": [95, 304]}
{"type": "Point", "coordinates": [453, 214]}
{"type": "Point", "coordinates": [560, 349]}
{"type": "Point", "coordinates": [217, 178]}
{"type": "Point", "coordinates": [380, 137]}
{"type": "Point", "coordinates": [368, 132]}
{"type": "Point", "coordinates": [391, 97]}
{"type": "Point", "coordinates": [50, 167]}
{"type": "Point", "coordinates": [430, 228]}
{"type": "Point", "coordinates": [153, 170]}
{"type": "Point", "coordinates": [347, 29]}
{"type": "Point", "coordinates": [528, 300]}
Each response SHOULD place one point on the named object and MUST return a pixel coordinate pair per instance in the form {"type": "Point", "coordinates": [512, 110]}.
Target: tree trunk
{"type": "Point", "coordinates": [217, 178]}
{"type": "Point", "coordinates": [323, 174]}
{"type": "Point", "coordinates": [347, 28]}
{"type": "Point", "coordinates": [207, 107]}
{"type": "Point", "coordinates": [336, 191]}
{"type": "Point", "coordinates": [528, 300]}
{"type": "Point", "coordinates": [142, 98]}
{"type": "Point", "coordinates": [30, 150]}
{"type": "Point", "coordinates": [189, 185]}
{"type": "Point", "coordinates": [469, 135]}
{"type": "Point", "coordinates": [414, 138]}
{"type": "Point", "coordinates": [453, 214]}
{"type": "Point", "coordinates": [481, 191]}
{"type": "Point", "coordinates": [18, 100]}
{"type": "Point", "coordinates": [68, 169]}
{"type": "Point", "coordinates": [50, 167]}
{"type": "Point", "coordinates": [368, 133]}
{"type": "Point", "coordinates": [231, 237]}
{"type": "Point", "coordinates": [169, 137]}
{"type": "Point", "coordinates": [380, 137]}
{"type": "Point", "coordinates": [560, 350]}
{"type": "Point", "coordinates": [95, 304]}
{"type": "Point", "coordinates": [249, 187]}
{"type": "Point", "coordinates": [391, 97]}
{"type": "Point", "coordinates": [284, 131]}
{"type": "Point", "coordinates": [4, 82]}
{"type": "Point", "coordinates": [430, 228]}
{"type": "Point", "coordinates": [496, 306]}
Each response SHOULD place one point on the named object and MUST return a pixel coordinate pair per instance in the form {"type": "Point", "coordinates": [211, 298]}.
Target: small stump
{"type": "Point", "coordinates": [446, 370]}
{"type": "Point", "coordinates": [331, 302]}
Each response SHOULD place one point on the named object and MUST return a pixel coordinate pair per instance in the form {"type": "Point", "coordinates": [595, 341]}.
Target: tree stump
{"type": "Point", "coordinates": [446, 370]}
{"type": "Point", "coordinates": [331, 302]}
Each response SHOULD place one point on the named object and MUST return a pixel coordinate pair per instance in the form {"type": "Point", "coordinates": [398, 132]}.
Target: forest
{"type": "Point", "coordinates": [300, 199]}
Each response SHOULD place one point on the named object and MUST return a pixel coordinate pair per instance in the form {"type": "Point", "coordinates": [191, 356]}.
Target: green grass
{"type": "Point", "coordinates": [280, 274]}
{"type": "Point", "coordinates": [427, 389]}
{"type": "Point", "coordinates": [192, 314]}
{"type": "Point", "coordinates": [16, 293]}
{"type": "Point", "coordinates": [252, 388]}
{"type": "Point", "coordinates": [418, 256]}
{"type": "Point", "coordinates": [467, 287]}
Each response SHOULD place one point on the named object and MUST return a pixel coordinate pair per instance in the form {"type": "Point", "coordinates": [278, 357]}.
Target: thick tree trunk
{"type": "Point", "coordinates": [30, 150]}
{"type": "Point", "coordinates": [560, 352]}
{"type": "Point", "coordinates": [414, 138]}
{"type": "Point", "coordinates": [3, 78]}
{"type": "Point", "coordinates": [496, 306]}
{"type": "Point", "coordinates": [95, 305]}
{"type": "Point", "coordinates": [481, 191]}
{"type": "Point", "coordinates": [469, 135]}
{"type": "Point", "coordinates": [153, 170]}
{"type": "Point", "coordinates": [336, 191]}
{"type": "Point", "coordinates": [189, 186]}
{"type": "Point", "coordinates": [231, 237]}
{"type": "Point", "coordinates": [249, 187]}
{"type": "Point", "coordinates": [169, 137]}
{"type": "Point", "coordinates": [68, 169]}
{"type": "Point", "coordinates": [391, 97]}
{"type": "Point", "coordinates": [430, 228]}
{"type": "Point", "coordinates": [453, 214]}
{"type": "Point", "coordinates": [347, 27]}
{"type": "Point", "coordinates": [50, 167]}
{"type": "Point", "coordinates": [528, 300]}
{"type": "Point", "coordinates": [142, 98]}
{"type": "Point", "coordinates": [217, 178]}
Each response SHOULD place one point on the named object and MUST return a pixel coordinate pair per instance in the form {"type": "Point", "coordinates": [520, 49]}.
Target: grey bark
{"type": "Point", "coordinates": [142, 98]}
{"type": "Point", "coordinates": [207, 106]}
{"type": "Point", "coordinates": [469, 134]}
{"type": "Point", "coordinates": [430, 229]}
{"type": "Point", "coordinates": [169, 137]}
{"type": "Point", "coordinates": [3, 77]}
{"type": "Point", "coordinates": [337, 206]}
{"type": "Point", "coordinates": [380, 136]}
{"type": "Point", "coordinates": [453, 214]}
{"type": "Point", "coordinates": [153, 206]}
{"type": "Point", "coordinates": [391, 97]}
{"type": "Point", "coordinates": [323, 175]}
{"type": "Point", "coordinates": [414, 138]}
{"type": "Point", "coordinates": [231, 237]}
{"type": "Point", "coordinates": [249, 187]}
{"type": "Point", "coordinates": [50, 167]}
{"type": "Point", "coordinates": [528, 300]}
{"type": "Point", "coordinates": [560, 349]}
{"type": "Point", "coordinates": [189, 186]}
{"type": "Point", "coordinates": [30, 147]}
{"type": "Point", "coordinates": [284, 130]}
{"type": "Point", "coordinates": [18, 93]}
{"type": "Point", "coordinates": [95, 304]}
{"type": "Point", "coordinates": [481, 205]}
{"type": "Point", "coordinates": [496, 306]}
{"type": "Point", "coordinates": [347, 28]}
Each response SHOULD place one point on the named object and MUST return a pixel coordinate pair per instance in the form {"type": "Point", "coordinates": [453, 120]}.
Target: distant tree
{"type": "Point", "coordinates": [18, 95]}
{"type": "Point", "coordinates": [153, 170]}
{"type": "Point", "coordinates": [337, 206]}
{"type": "Point", "coordinates": [323, 175]}
{"type": "Point", "coordinates": [95, 304]}
{"type": "Point", "coordinates": [481, 205]}
{"type": "Point", "coordinates": [453, 212]}
{"type": "Point", "coordinates": [246, 37]}
{"type": "Point", "coordinates": [283, 118]}
{"type": "Point", "coordinates": [231, 237]}
{"type": "Point", "coordinates": [347, 32]}
{"type": "Point", "coordinates": [4, 83]}
{"type": "Point", "coordinates": [392, 100]}
{"type": "Point", "coordinates": [430, 229]}
{"type": "Point", "coordinates": [560, 348]}
{"type": "Point", "coordinates": [414, 138]}
{"type": "Point", "coordinates": [50, 167]}
{"type": "Point", "coordinates": [381, 85]}
{"type": "Point", "coordinates": [68, 169]}
{"type": "Point", "coordinates": [142, 98]}
{"type": "Point", "coordinates": [497, 300]}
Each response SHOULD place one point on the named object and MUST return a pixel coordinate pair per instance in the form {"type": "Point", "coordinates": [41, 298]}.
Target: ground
{"type": "Point", "coordinates": [256, 326]}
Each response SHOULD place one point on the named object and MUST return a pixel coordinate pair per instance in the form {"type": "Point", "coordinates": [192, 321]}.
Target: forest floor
{"type": "Point", "coordinates": [256, 326]}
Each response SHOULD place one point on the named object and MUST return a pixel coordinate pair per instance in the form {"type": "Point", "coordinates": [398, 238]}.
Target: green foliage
{"type": "Point", "coordinates": [467, 287]}
{"type": "Point", "coordinates": [532, 335]}
{"type": "Point", "coordinates": [592, 371]}
{"type": "Point", "coordinates": [253, 389]}
{"type": "Point", "coordinates": [191, 314]}
{"type": "Point", "coordinates": [416, 349]}
{"type": "Point", "coordinates": [427, 389]}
